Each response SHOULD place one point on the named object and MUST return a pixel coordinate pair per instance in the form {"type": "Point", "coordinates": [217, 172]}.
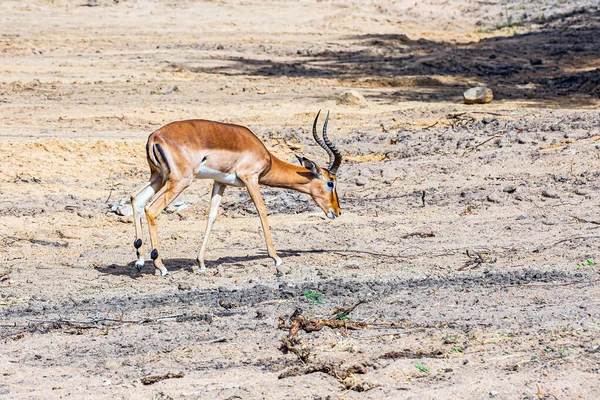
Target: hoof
{"type": "Point", "coordinates": [161, 272]}
{"type": "Point", "coordinates": [139, 264]}
{"type": "Point", "coordinates": [199, 267]}
{"type": "Point", "coordinates": [278, 261]}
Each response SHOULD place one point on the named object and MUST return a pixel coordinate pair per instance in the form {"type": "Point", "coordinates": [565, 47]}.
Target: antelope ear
{"type": "Point", "coordinates": [311, 166]}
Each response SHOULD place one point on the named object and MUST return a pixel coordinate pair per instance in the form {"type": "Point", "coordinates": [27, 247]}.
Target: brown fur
{"type": "Point", "coordinates": [177, 151]}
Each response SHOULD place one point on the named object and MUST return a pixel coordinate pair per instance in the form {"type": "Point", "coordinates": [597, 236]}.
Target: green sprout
{"type": "Point", "coordinates": [421, 367]}
{"type": "Point", "coordinates": [313, 298]}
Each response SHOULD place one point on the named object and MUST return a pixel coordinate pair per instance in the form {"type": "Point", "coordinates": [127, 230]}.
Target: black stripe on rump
{"type": "Point", "coordinates": [152, 160]}
{"type": "Point", "coordinates": [162, 155]}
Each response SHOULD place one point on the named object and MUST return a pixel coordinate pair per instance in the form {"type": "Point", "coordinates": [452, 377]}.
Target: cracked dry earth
{"type": "Point", "coordinates": [470, 232]}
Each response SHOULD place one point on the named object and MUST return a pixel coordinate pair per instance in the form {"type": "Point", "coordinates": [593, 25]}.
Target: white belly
{"type": "Point", "coordinates": [228, 179]}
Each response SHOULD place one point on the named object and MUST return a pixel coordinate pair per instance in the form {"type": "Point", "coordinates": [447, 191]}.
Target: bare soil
{"type": "Point", "coordinates": [471, 232]}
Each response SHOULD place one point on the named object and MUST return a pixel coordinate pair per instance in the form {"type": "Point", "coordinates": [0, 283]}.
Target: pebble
{"type": "Point", "coordinates": [184, 286]}
{"type": "Point", "coordinates": [282, 270]}
{"type": "Point", "coordinates": [478, 95]}
{"type": "Point", "coordinates": [494, 198]}
{"type": "Point", "coordinates": [524, 138]}
{"type": "Point", "coordinates": [123, 207]}
{"type": "Point", "coordinates": [510, 189]}
{"type": "Point", "coordinates": [551, 194]}
{"type": "Point", "coordinates": [85, 214]}
{"type": "Point", "coordinates": [582, 192]}
{"type": "Point", "coordinates": [361, 181]}
{"type": "Point", "coordinates": [351, 98]}
{"type": "Point", "coordinates": [489, 120]}
{"type": "Point", "coordinates": [503, 142]}
{"type": "Point", "coordinates": [536, 61]}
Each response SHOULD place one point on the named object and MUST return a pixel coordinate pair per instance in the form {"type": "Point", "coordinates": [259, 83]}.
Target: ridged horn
{"type": "Point", "coordinates": [319, 140]}
{"type": "Point", "coordinates": [335, 157]}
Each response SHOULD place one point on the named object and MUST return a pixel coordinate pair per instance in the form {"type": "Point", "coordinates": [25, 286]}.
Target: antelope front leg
{"type": "Point", "coordinates": [217, 195]}
{"type": "Point", "coordinates": [254, 191]}
{"type": "Point", "coordinates": [161, 200]}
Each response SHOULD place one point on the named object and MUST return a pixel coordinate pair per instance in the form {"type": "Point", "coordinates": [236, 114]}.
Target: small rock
{"type": "Point", "coordinates": [351, 98]}
{"type": "Point", "coordinates": [361, 181]}
{"type": "Point", "coordinates": [323, 274]}
{"type": "Point", "coordinates": [510, 189]}
{"type": "Point", "coordinates": [524, 138]}
{"type": "Point", "coordinates": [125, 220]}
{"type": "Point", "coordinates": [494, 393]}
{"type": "Point", "coordinates": [184, 286]}
{"type": "Point", "coordinates": [283, 270]}
{"type": "Point", "coordinates": [489, 120]}
{"type": "Point", "coordinates": [85, 214]}
{"type": "Point", "coordinates": [123, 207]}
{"type": "Point", "coordinates": [503, 142]}
{"type": "Point", "coordinates": [220, 47]}
{"type": "Point", "coordinates": [478, 95]}
{"type": "Point", "coordinates": [494, 198]}
{"type": "Point", "coordinates": [562, 178]}
{"type": "Point", "coordinates": [536, 61]}
{"type": "Point", "coordinates": [551, 194]}
{"type": "Point", "coordinates": [177, 206]}
{"type": "Point", "coordinates": [582, 192]}
{"type": "Point", "coordinates": [511, 135]}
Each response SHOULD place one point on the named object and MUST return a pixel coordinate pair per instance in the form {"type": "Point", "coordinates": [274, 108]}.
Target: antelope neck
{"type": "Point", "coordinates": [287, 176]}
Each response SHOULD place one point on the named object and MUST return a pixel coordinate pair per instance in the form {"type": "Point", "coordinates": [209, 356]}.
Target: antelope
{"type": "Point", "coordinates": [230, 155]}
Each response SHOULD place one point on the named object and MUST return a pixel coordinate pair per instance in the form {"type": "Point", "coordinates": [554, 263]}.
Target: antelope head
{"type": "Point", "coordinates": [323, 185]}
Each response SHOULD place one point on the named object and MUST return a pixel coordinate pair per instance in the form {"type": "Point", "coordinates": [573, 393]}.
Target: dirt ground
{"type": "Point", "coordinates": [470, 232]}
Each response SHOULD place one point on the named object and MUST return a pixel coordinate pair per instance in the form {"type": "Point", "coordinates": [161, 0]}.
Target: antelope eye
{"type": "Point", "coordinates": [330, 184]}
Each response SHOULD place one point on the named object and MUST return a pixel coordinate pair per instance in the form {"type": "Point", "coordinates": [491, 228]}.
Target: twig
{"type": "Point", "coordinates": [218, 340]}
{"type": "Point", "coordinates": [542, 284]}
{"type": "Point", "coordinates": [480, 144]}
{"type": "Point", "coordinates": [149, 380]}
{"type": "Point", "coordinates": [542, 248]}
{"type": "Point", "coordinates": [585, 220]}
{"type": "Point", "coordinates": [368, 252]}
{"type": "Point", "coordinates": [109, 194]}
{"type": "Point", "coordinates": [432, 125]}
{"type": "Point", "coordinates": [419, 234]}
{"type": "Point", "coordinates": [340, 311]}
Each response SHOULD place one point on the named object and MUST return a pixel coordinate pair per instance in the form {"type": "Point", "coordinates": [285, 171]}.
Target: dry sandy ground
{"type": "Point", "coordinates": [471, 232]}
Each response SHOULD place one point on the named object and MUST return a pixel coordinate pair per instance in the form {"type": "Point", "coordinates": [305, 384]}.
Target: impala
{"type": "Point", "coordinates": [229, 155]}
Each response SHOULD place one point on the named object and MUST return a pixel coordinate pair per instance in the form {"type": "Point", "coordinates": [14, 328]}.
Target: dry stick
{"type": "Point", "coordinates": [217, 340]}
{"type": "Point", "coordinates": [480, 144]}
{"type": "Point", "coordinates": [368, 252]}
{"type": "Point", "coordinates": [585, 220]}
{"type": "Point", "coordinates": [149, 380]}
{"type": "Point", "coordinates": [565, 240]}
{"type": "Point", "coordinates": [340, 310]}
{"type": "Point", "coordinates": [95, 320]}
{"type": "Point", "coordinates": [543, 284]}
